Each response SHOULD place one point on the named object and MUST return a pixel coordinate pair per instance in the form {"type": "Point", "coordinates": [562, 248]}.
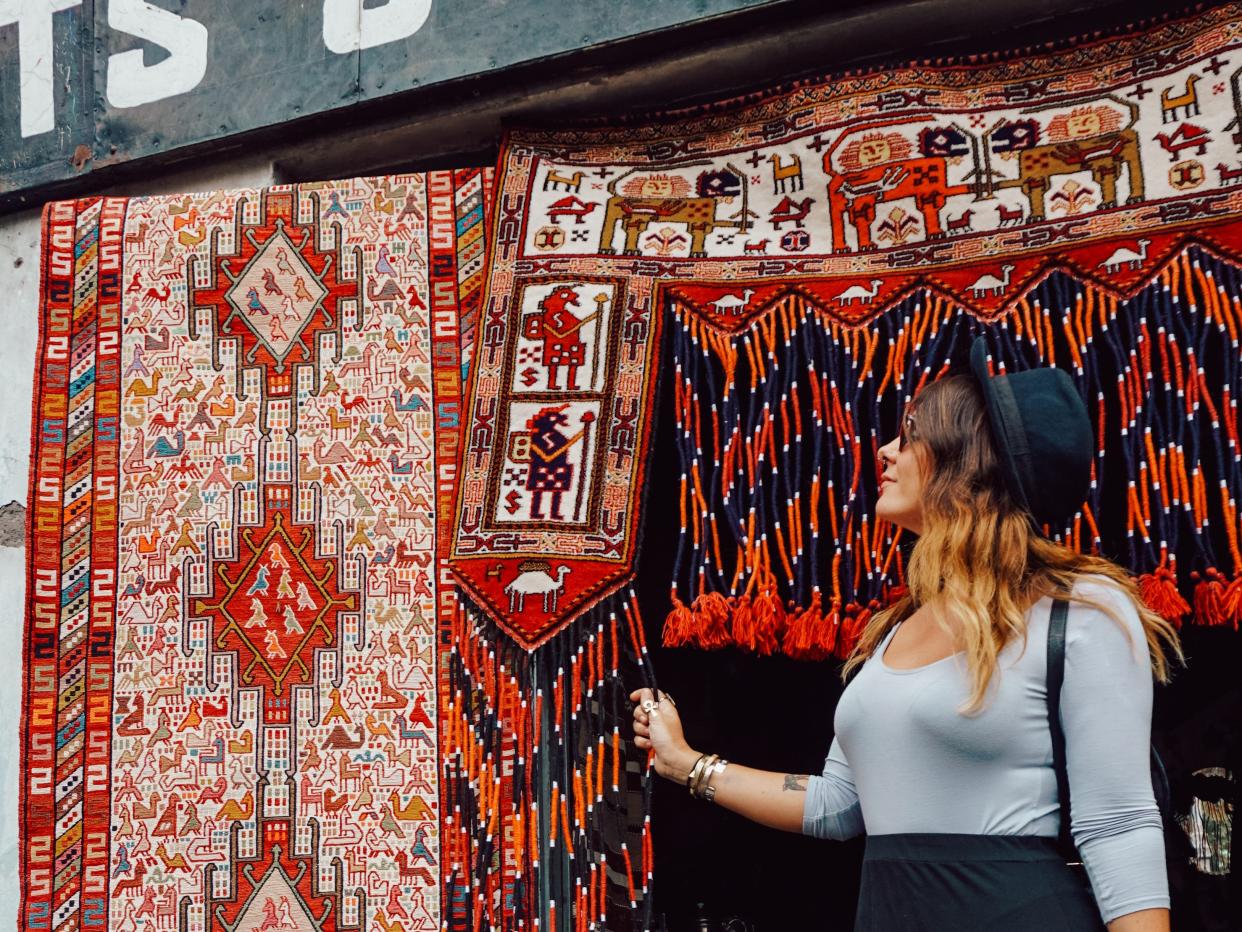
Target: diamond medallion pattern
{"type": "Point", "coordinates": [275, 604]}
{"type": "Point", "coordinates": [276, 294]}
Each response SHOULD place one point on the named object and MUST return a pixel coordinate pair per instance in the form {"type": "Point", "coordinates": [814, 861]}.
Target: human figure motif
{"type": "Point", "coordinates": [549, 470]}
{"type": "Point", "coordinates": [559, 330]}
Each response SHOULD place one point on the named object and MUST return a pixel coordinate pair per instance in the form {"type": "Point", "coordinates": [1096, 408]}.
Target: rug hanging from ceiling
{"type": "Point", "coordinates": [245, 434]}
{"type": "Point", "coordinates": [816, 253]}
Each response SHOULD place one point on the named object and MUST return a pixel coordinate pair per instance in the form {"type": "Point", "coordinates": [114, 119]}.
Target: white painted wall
{"type": "Point", "coordinates": [19, 306]}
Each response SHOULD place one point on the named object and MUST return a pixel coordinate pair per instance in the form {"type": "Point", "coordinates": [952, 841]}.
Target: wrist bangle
{"type": "Point", "coordinates": [709, 791]}
{"type": "Point", "coordinates": [696, 788]}
{"type": "Point", "coordinates": [695, 771]}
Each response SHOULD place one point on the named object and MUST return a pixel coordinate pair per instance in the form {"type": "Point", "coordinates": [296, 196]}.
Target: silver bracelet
{"type": "Point", "coordinates": [717, 768]}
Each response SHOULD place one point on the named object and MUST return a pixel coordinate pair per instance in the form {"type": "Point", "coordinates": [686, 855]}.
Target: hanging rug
{"type": "Point", "coordinates": [817, 252]}
{"type": "Point", "coordinates": [245, 433]}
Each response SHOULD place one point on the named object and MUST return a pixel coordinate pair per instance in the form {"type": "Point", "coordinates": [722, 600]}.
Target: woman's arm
{"type": "Point", "coordinates": [1106, 710]}
{"type": "Point", "coordinates": [1145, 920]}
{"type": "Point", "coordinates": [778, 800]}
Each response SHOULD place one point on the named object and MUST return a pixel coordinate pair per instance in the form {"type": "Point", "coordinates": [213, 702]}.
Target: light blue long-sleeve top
{"type": "Point", "coordinates": [906, 760]}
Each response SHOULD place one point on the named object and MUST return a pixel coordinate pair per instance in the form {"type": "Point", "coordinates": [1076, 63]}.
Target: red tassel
{"type": "Point", "coordinates": [1232, 603]}
{"type": "Point", "coordinates": [711, 611]}
{"type": "Point", "coordinates": [856, 618]}
{"type": "Point", "coordinates": [808, 634]}
{"type": "Point", "coordinates": [679, 625]}
{"type": "Point", "coordinates": [1209, 598]}
{"type": "Point", "coordinates": [1159, 591]}
{"type": "Point", "coordinates": [743, 623]}
{"type": "Point", "coordinates": [830, 631]}
{"type": "Point", "coordinates": [896, 592]}
{"type": "Point", "coordinates": [768, 620]}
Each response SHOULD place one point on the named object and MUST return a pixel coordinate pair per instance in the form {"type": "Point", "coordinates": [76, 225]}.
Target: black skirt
{"type": "Point", "coordinates": [971, 883]}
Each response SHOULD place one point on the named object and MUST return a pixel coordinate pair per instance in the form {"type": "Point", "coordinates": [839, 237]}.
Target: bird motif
{"type": "Point", "coordinates": [161, 446]}
{"type": "Point", "coordinates": [382, 265]}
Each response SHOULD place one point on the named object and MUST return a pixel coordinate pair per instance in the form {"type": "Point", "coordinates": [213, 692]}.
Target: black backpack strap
{"type": "Point", "coordinates": [1056, 677]}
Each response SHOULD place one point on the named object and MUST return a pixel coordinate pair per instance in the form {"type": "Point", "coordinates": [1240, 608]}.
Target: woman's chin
{"type": "Point", "coordinates": [895, 516]}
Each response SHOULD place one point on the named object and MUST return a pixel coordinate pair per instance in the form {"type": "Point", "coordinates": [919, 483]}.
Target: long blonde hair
{"type": "Point", "coordinates": [979, 551]}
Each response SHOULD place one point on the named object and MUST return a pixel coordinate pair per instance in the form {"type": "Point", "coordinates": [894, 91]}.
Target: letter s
{"type": "Point", "coordinates": [347, 27]}
{"type": "Point", "coordinates": [130, 82]}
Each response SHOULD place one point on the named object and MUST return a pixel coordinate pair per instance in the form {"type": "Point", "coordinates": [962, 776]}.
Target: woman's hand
{"type": "Point", "coordinates": [657, 726]}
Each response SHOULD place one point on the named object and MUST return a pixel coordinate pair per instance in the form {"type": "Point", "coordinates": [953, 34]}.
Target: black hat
{"type": "Point", "coordinates": [1043, 436]}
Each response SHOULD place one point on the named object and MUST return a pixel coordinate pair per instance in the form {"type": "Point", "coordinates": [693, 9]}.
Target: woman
{"type": "Point", "coordinates": [943, 753]}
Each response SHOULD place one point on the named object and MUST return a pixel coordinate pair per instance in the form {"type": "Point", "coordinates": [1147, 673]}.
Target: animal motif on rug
{"type": "Point", "coordinates": [266, 387]}
{"type": "Point", "coordinates": [758, 224]}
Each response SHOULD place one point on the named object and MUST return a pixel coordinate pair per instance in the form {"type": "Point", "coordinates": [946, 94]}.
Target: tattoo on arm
{"type": "Point", "coordinates": [796, 782]}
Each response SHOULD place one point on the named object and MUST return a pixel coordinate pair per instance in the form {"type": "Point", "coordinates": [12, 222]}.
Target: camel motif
{"type": "Point", "coordinates": [141, 389]}
{"type": "Point", "coordinates": [1126, 257]}
{"type": "Point", "coordinates": [534, 578]}
{"type": "Point", "coordinates": [1187, 102]}
{"type": "Point", "coordinates": [555, 181]}
{"type": "Point", "coordinates": [987, 284]}
{"type": "Point", "coordinates": [730, 304]}
{"type": "Point", "coordinates": [389, 292]}
{"type": "Point", "coordinates": [859, 293]}
{"type": "Point", "coordinates": [786, 174]}
{"type": "Point", "coordinates": [333, 455]}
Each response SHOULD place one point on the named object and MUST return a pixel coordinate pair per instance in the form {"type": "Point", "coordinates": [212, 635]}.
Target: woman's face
{"type": "Point", "coordinates": [901, 481]}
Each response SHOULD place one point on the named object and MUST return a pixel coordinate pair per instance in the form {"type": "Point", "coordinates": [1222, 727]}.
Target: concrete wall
{"type": "Point", "coordinates": [461, 126]}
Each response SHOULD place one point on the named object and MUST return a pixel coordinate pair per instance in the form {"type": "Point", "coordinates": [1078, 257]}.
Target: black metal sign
{"type": "Point", "coordinates": [89, 83]}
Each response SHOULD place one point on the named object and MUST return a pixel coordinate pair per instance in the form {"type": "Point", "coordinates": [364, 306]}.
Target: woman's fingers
{"type": "Point", "coordinates": [642, 695]}
{"type": "Point", "coordinates": [644, 743]}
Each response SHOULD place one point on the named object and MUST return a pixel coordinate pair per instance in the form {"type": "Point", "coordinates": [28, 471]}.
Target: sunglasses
{"type": "Point", "coordinates": [907, 432]}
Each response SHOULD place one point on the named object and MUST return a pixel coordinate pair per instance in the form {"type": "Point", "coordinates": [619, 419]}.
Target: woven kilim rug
{"type": "Point", "coordinates": [246, 427]}
{"type": "Point", "coordinates": [820, 251]}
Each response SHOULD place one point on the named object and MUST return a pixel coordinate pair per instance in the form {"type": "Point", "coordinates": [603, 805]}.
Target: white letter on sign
{"type": "Point", "coordinates": [130, 82]}
{"type": "Point", "coordinates": [347, 27]}
{"type": "Point", "coordinates": [34, 55]}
